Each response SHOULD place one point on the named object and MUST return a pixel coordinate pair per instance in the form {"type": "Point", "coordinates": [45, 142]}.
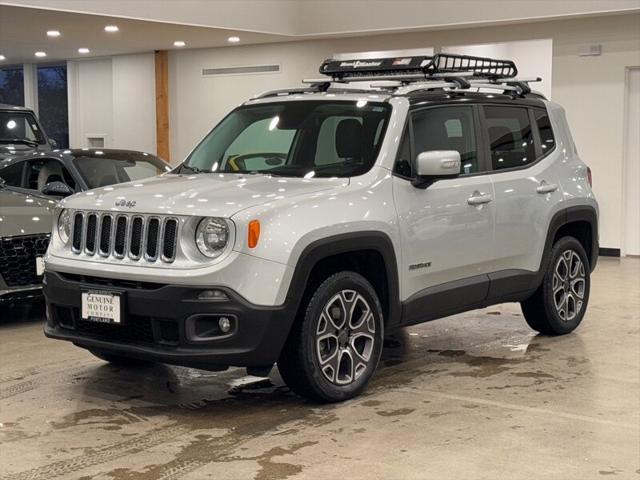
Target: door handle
{"type": "Point", "coordinates": [478, 198]}
{"type": "Point", "coordinates": [545, 187]}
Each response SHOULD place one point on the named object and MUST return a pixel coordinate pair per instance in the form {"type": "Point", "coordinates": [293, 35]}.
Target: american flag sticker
{"type": "Point", "coordinates": [402, 61]}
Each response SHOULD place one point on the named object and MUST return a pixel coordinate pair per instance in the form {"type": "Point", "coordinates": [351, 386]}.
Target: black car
{"type": "Point", "coordinates": [28, 160]}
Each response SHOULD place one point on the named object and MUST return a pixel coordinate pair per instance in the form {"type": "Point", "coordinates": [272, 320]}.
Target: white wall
{"type": "Point", "coordinates": [113, 97]}
{"type": "Point", "coordinates": [534, 58]}
{"type": "Point", "coordinates": [590, 88]}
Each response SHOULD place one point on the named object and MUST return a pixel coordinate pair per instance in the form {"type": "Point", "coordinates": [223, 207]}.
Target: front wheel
{"type": "Point", "coordinates": [333, 350]}
{"type": "Point", "coordinates": [559, 304]}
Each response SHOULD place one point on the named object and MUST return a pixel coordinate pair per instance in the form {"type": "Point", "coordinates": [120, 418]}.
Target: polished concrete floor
{"type": "Point", "coordinates": [475, 396]}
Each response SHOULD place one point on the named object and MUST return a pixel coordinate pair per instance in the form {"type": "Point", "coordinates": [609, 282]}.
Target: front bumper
{"type": "Point", "coordinates": [19, 294]}
{"type": "Point", "coordinates": [158, 323]}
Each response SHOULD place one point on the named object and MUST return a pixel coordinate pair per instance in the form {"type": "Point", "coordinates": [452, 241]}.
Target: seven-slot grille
{"type": "Point", "coordinates": [137, 237]}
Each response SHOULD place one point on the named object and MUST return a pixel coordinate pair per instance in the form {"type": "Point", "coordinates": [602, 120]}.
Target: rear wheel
{"type": "Point", "coordinates": [559, 304]}
{"type": "Point", "coordinates": [333, 350]}
{"type": "Point", "coordinates": [119, 360]}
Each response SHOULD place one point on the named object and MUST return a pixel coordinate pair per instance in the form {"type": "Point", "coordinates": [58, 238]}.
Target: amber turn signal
{"type": "Point", "coordinates": [254, 233]}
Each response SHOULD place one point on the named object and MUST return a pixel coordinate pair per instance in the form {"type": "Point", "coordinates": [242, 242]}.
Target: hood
{"type": "Point", "coordinates": [22, 214]}
{"type": "Point", "coordinates": [212, 194]}
{"type": "Point", "coordinates": [20, 150]}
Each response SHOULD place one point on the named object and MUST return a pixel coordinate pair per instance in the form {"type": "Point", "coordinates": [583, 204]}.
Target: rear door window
{"type": "Point", "coordinates": [510, 136]}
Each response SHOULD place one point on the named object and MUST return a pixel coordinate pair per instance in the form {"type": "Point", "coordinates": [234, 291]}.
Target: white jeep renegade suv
{"type": "Point", "coordinates": [310, 222]}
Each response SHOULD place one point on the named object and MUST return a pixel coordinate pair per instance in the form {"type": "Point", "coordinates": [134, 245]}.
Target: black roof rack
{"type": "Point", "coordinates": [421, 67]}
{"type": "Point", "coordinates": [405, 75]}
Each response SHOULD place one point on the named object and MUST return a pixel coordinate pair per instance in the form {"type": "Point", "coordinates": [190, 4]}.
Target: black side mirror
{"type": "Point", "coordinates": [53, 143]}
{"type": "Point", "coordinates": [58, 189]}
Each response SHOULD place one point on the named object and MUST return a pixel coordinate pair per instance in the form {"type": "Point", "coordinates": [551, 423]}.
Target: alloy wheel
{"type": "Point", "coordinates": [568, 285]}
{"type": "Point", "coordinates": [345, 337]}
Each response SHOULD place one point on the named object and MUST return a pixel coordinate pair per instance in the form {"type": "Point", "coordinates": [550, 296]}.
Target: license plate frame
{"type": "Point", "coordinates": [102, 306]}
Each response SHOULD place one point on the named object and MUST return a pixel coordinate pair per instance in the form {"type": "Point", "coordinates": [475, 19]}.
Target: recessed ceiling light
{"type": "Point", "coordinates": [233, 39]}
{"type": "Point", "coordinates": [179, 43]}
{"type": "Point", "coordinates": [40, 54]}
{"type": "Point", "coordinates": [111, 28]}
{"type": "Point", "coordinates": [83, 50]}
{"type": "Point", "coordinates": [2, 57]}
{"type": "Point", "coordinates": [53, 33]}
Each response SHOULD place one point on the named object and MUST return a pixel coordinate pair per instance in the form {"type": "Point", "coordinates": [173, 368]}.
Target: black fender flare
{"type": "Point", "coordinates": [582, 213]}
{"type": "Point", "coordinates": [346, 243]}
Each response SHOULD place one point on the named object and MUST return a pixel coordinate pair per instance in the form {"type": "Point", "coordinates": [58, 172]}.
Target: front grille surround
{"type": "Point", "coordinates": [101, 236]}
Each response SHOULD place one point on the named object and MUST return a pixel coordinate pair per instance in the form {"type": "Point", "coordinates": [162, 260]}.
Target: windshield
{"type": "Point", "coordinates": [296, 139]}
{"type": "Point", "coordinates": [19, 127]}
{"type": "Point", "coordinates": [101, 172]}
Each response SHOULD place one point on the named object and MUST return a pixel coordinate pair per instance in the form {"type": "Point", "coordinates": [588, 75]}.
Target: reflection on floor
{"type": "Point", "coordinates": [477, 395]}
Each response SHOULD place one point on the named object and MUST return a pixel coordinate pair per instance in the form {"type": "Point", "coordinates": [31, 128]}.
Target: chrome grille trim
{"type": "Point", "coordinates": [140, 241]}
{"type": "Point", "coordinates": [148, 244]}
{"type": "Point", "coordinates": [91, 218]}
{"type": "Point", "coordinates": [105, 219]}
{"type": "Point", "coordinates": [109, 244]}
{"type": "Point", "coordinates": [166, 243]}
{"type": "Point", "coordinates": [117, 230]}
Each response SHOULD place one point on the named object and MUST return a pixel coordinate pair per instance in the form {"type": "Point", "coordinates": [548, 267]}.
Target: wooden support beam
{"type": "Point", "coordinates": [162, 104]}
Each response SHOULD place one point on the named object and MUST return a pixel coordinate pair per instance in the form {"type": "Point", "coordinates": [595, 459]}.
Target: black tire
{"type": "Point", "coordinates": [300, 361]}
{"type": "Point", "coordinates": [541, 310]}
{"type": "Point", "coordinates": [120, 360]}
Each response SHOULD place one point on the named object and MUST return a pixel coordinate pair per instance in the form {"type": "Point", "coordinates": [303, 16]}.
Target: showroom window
{"type": "Point", "coordinates": [12, 86]}
{"type": "Point", "coordinates": [52, 103]}
{"type": "Point", "coordinates": [510, 136]}
{"type": "Point", "coordinates": [447, 128]}
{"type": "Point", "coordinates": [547, 140]}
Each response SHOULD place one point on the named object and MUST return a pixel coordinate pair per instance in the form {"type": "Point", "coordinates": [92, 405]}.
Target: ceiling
{"type": "Point", "coordinates": [23, 32]}
{"type": "Point", "coordinates": [147, 25]}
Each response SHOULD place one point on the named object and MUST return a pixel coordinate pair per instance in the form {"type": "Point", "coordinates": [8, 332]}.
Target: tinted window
{"type": "Point", "coordinates": [547, 140]}
{"type": "Point", "coordinates": [447, 128]}
{"type": "Point", "coordinates": [510, 136]}
{"type": "Point", "coordinates": [41, 172]}
{"type": "Point", "coordinates": [12, 175]}
{"type": "Point", "coordinates": [403, 162]}
{"type": "Point", "coordinates": [297, 139]}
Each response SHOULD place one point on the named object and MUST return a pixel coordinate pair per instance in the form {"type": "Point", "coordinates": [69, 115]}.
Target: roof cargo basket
{"type": "Point", "coordinates": [418, 68]}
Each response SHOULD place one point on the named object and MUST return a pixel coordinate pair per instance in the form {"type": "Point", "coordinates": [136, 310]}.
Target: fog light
{"type": "Point", "coordinates": [212, 295]}
{"type": "Point", "coordinates": [225, 324]}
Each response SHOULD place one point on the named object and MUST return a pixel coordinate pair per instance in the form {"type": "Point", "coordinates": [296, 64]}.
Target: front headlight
{"type": "Point", "coordinates": [212, 236]}
{"type": "Point", "coordinates": [64, 226]}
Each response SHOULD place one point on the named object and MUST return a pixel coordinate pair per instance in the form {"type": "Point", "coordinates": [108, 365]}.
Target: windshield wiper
{"type": "Point", "coordinates": [195, 170]}
{"type": "Point", "coordinates": [26, 141]}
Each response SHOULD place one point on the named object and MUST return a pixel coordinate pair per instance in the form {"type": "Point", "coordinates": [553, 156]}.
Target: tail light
{"type": "Point", "coordinates": [589, 177]}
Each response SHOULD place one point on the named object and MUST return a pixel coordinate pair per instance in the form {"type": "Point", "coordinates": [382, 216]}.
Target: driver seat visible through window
{"type": "Point", "coordinates": [349, 139]}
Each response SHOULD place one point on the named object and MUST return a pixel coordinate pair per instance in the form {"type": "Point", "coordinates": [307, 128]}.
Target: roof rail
{"type": "Point", "coordinates": [417, 67]}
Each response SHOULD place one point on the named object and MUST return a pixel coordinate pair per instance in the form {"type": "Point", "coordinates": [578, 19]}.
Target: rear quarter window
{"type": "Point", "coordinates": [547, 138]}
{"type": "Point", "coordinates": [510, 136]}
